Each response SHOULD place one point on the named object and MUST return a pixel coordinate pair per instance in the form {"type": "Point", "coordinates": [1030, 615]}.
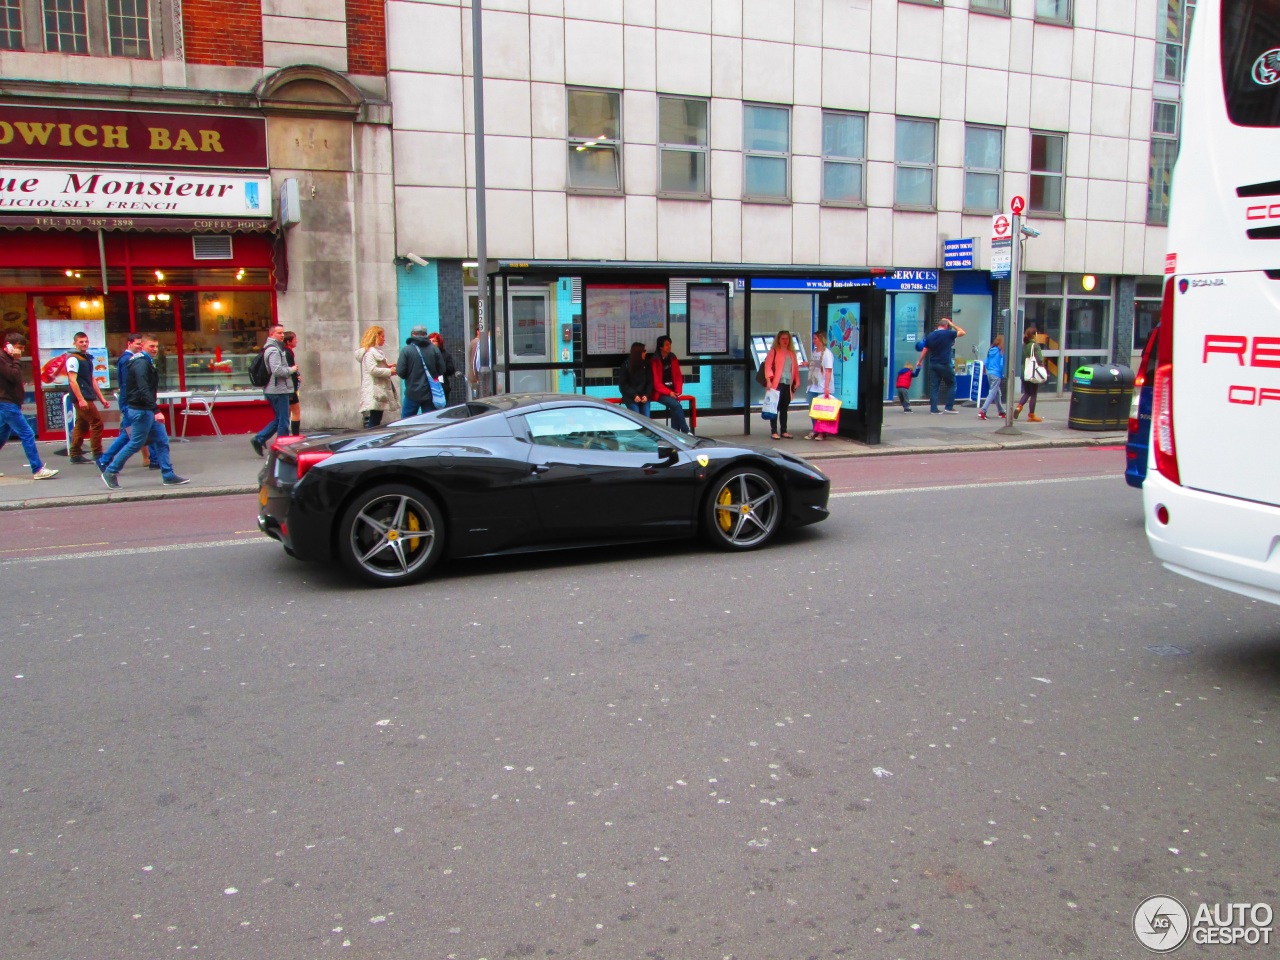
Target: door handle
{"type": "Point", "coordinates": [539, 468]}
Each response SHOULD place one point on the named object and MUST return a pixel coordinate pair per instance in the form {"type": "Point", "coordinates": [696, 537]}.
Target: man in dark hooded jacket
{"type": "Point", "coordinates": [419, 363]}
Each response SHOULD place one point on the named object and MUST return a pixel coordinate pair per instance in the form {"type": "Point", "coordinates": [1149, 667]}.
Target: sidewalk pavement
{"type": "Point", "coordinates": [227, 465]}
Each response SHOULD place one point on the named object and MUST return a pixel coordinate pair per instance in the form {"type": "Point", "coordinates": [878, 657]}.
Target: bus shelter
{"type": "Point", "coordinates": [566, 326]}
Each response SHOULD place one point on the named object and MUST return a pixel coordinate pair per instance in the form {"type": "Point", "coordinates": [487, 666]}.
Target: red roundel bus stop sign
{"type": "Point", "coordinates": [1017, 204]}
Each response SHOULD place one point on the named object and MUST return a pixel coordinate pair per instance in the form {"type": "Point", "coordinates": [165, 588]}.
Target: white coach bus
{"type": "Point", "coordinates": [1212, 493]}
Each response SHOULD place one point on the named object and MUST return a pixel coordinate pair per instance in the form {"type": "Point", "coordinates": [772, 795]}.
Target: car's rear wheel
{"type": "Point", "coordinates": [744, 509]}
{"type": "Point", "coordinates": [391, 535]}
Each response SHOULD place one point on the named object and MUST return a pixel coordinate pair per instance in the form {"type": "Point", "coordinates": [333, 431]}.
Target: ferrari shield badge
{"type": "Point", "coordinates": [703, 459]}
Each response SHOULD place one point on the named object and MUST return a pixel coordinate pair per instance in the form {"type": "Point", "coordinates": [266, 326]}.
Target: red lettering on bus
{"type": "Point", "coordinates": [1232, 346]}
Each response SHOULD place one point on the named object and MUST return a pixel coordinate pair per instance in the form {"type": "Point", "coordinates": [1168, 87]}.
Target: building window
{"type": "Point", "coordinates": [983, 165]}
{"type": "Point", "coordinates": [682, 146]}
{"type": "Point", "coordinates": [989, 6]}
{"type": "Point", "coordinates": [844, 148]}
{"type": "Point", "coordinates": [766, 146]}
{"type": "Point", "coordinates": [1055, 11]}
{"type": "Point", "coordinates": [66, 28]}
{"type": "Point", "coordinates": [1146, 309]}
{"type": "Point", "coordinates": [129, 28]}
{"type": "Point", "coordinates": [10, 25]}
{"type": "Point", "coordinates": [1048, 167]}
{"type": "Point", "coordinates": [1172, 40]}
{"type": "Point", "coordinates": [1164, 151]}
{"type": "Point", "coordinates": [915, 156]}
{"type": "Point", "coordinates": [595, 134]}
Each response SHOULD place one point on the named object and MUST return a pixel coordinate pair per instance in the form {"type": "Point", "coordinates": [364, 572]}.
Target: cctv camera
{"type": "Point", "coordinates": [422, 263]}
{"type": "Point", "coordinates": [1026, 232]}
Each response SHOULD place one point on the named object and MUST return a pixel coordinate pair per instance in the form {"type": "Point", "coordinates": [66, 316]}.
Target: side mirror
{"type": "Point", "coordinates": [667, 453]}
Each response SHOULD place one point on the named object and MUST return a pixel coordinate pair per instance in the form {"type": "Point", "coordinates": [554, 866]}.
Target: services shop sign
{"type": "Point", "coordinates": [116, 192]}
{"type": "Point", "coordinates": [30, 134]}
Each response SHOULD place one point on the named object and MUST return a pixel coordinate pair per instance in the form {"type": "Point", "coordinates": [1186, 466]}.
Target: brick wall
{"type": "Point", "coordinates": [367, 37]}
{"type": "Point", "coordinates": [223, 32]}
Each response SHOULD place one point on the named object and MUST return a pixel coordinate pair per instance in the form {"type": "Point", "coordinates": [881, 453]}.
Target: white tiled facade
{"type": "Point", "coordinates": [1091, 81]}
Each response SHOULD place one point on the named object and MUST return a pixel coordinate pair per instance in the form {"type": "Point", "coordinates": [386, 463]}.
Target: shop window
{"type": "Point", "coordinates": [101, 28]}
{"type": "Point", "coordinates": [10, 25]}
{"type": "Point", "coordinates": [682, 147]}
{"type": "Point", "coordinates": [1146, 309]}
{"type": "Point", "coordinates": [595, 140]}
{"type": "Point", "coordinates": [1054, 11]}
{"type": "Point", "coordinates": [844, 151]}
{"type": "Point", "coordinates": [1048, 172]}
{"type": "Point", "coordinates": [1171, 43]}
{"type": "Point", "coordinates": [1164, 151]}
{"type": "Point", "coordinates": [766, 145]}
{"type": "Point", "coordinates": [916, 159]}
{"type": "Point", "coordinates": [983, 164]}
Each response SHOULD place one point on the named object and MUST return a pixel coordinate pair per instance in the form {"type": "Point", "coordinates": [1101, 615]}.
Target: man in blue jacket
{"type": "Point", "coordinates": [940, 354]}
{"type": "Point", "coordinates": [133, 346]}
{"type": "Point", "coordinates": [148, 424]}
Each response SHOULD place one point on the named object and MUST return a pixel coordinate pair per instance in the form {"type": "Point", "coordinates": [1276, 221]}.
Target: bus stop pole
{"type": "Point", "coordinates": [1011, 329]}
{"type": "Point", "coordinates": [482, 244]}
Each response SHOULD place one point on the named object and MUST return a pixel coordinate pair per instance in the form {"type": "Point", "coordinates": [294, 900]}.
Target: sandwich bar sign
{"type": "Point", "coordinates": [117, 192]}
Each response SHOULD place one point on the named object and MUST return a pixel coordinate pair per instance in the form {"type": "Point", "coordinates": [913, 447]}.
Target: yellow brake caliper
{"type": "Point", "coordinates": [415, 523]}
{"type": "Point", "coordinates": [724, 517]}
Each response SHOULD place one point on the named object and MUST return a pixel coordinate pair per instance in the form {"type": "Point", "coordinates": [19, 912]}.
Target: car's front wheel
{"type": "Point", "coordinates": [744, 509]}
{"type": "Point", "coordinates": [391, 535]}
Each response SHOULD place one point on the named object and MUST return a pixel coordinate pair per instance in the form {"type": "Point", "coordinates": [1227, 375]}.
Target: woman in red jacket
{"type": "Point", "coordinates": [668, 383]}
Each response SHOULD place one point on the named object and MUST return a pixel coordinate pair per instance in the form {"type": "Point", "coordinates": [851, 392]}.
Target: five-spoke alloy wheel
{"type": "Point", "coordinates": [391, 535]}
{"type": "Point", "coordinates": [744, 509]}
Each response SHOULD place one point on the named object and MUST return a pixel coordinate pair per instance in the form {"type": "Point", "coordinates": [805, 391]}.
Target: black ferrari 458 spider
{"type": "Point", "coordinates": [515, 473]}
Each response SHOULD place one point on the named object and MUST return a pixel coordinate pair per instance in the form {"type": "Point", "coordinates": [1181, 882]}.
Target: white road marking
{"type": "Point", "coordinates": [134, 551]}
{"type": "Point", "coordinates": [987, 485]}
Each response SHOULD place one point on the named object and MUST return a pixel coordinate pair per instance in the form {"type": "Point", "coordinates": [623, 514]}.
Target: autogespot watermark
{"type": "Point", "coordinates": [1162, 924]}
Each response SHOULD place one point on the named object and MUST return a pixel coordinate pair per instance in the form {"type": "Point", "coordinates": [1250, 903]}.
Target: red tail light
{"type": "Point", "coordinates": [1163, 439]}
{"type": "Point", "coordinates": [309, 458]}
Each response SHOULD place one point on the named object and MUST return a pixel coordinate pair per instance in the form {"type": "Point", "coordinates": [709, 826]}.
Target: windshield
{"type": "Point", "coordinates": [1251, 62]}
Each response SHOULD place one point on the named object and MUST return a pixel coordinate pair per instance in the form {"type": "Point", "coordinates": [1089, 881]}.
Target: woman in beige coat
{"type": "Point", "coordinates": [377, 378]}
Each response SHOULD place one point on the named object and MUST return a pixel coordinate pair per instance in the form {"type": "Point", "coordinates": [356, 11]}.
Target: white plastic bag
{"type": "Point", "coordinates": [770, 407]}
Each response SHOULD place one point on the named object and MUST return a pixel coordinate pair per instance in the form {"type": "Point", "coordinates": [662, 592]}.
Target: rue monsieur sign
{"type": "Point", "coordinates": [116, 192]}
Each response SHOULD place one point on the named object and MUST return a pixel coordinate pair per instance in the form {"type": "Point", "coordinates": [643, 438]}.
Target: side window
{"type": "Point", "coordinates": [588, 428]}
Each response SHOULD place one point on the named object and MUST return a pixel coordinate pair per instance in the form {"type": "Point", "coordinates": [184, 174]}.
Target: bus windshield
{"type": "Point", "coordinates": [1251, 62]}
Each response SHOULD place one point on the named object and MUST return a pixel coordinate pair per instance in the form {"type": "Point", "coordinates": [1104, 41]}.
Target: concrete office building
{"type": "Point", "coordinates": [678, 140]}
{"type": "Point", "coordinates": [198, 169]}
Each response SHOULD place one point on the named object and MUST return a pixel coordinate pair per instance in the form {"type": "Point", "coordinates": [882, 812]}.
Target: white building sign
{"type": "Point", "coordinates": [132, 192]}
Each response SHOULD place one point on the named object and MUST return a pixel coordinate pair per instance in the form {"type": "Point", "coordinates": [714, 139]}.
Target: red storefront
{"type": "Point", "coordinates": [175, 238]}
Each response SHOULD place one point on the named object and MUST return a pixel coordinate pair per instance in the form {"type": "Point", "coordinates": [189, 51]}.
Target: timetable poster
{"type": "Point", "coordinates": [619, 315]}
{"type": "Point", "coordinates": [708, 318]}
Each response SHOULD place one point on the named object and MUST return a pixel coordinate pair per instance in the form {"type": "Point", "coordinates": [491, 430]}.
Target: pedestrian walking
{"type": "Point", "coordinates": [12, 392]}
{"type": "Point", "coordinates": [635, 381]}
{"type": "Point", "coordinates": [995, 378]}
{"type": "Point", "coordinates": [419, 363]}
{"type": "Point", "coordinates": [938, 351]}
{"type": "Point", "coordinates": [141, 385]}
{"type": "Point", "coordinates": [132, 347]}
{"type": "Point", "coordinates": [377, 378]}
{"type": "Point", "coordinates": [1030, 389]}
{"type": "Point", "coordinates": [668, 382]}
{"type": "Point", "coordinates": [822, 365]}
{"type": "Point", "coordinates": [295, 407]}
{"type": "Point", "coordinates": [84, 387]}
{"type": "Point", "coordinates": [277, 391]}
{"type": "Point", "coordinates": [479, 365]}
{"type": "Point", "coordinates": [782, 373]}
{"type": "Point", "coordinates": [902, 383]}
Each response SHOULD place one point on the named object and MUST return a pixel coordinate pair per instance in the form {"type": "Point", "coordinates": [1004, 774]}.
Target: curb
{"type": "Point", "coordinates": [849, 453]}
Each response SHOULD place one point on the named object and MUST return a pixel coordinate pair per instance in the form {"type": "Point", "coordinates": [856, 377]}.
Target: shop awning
{"type": "Point", "coordinates": [140, 224]}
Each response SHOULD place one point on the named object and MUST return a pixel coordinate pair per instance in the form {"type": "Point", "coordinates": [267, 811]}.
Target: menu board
{"type": "Point", "coordinates": [618, 315]}
{"type": "Point", "coordinates": [708, 305]}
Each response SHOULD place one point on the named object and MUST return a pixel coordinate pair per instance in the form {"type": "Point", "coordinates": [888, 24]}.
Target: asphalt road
{"type": "Point", "coordinates": [969, 720]}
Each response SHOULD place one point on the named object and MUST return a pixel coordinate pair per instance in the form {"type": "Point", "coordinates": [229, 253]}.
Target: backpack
{"type": "Point", "coordinates": [259, 372]}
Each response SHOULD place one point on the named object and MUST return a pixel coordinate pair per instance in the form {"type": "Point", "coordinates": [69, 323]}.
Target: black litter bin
{"type": "Point", "coordinates": [1100, 397]}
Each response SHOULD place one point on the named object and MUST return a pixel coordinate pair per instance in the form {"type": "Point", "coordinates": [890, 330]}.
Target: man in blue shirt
{"type": "Point", "coordinates": [939, 350]}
